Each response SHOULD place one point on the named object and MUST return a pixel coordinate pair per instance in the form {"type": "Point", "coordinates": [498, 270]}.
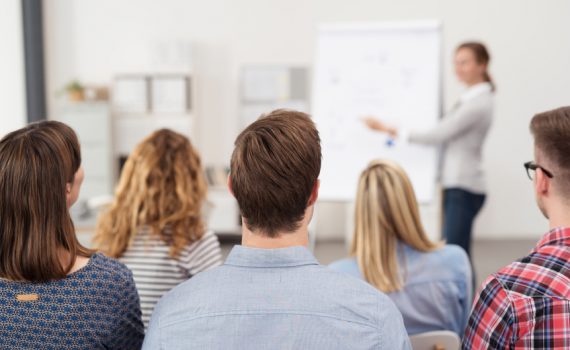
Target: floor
{"type": "Point", "coordinates": [488, 255]}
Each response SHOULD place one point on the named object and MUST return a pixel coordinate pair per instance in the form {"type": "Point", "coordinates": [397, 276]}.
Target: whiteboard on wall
{"type": "Point", "coordinates": [388, 70]}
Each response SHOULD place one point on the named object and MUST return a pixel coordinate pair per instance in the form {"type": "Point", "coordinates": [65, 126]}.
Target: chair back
{"type": "Point", "coordinates": [436, 340]}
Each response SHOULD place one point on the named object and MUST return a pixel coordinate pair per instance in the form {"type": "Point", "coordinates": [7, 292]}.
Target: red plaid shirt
{"type": "Point", "coordinates": [526, 304]}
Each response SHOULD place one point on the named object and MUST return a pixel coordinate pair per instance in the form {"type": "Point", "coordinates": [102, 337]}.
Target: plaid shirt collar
{"type": "Point", "coordinates": [556, 236]}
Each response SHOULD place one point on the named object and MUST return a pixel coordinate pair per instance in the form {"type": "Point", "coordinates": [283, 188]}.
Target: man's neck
{"type": "Point", "coordinates": [299, 237]}
{"type": "Point", "coordinates": [251, 239]}
{"type": "Point", "coordinates": [559, 217]}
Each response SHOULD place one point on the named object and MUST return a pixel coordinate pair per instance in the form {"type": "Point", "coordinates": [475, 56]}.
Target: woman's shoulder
{"type": "Point", "coordinates": [483, 102]}
{"type": "Point", "coordinates": [207, 242]}
{"type": "Point", "coordinates": [450, 258]}
{"type": "Point", "coordinates": [208, 238]}
{"type": "Point", "coordinates": [454, 258]}
{"type": "Point", "coordinates": [452, 254]}
{"type": "Point", "coordinates": [104, 267]}
{"type": "Point", "coordinates": [209, 234]}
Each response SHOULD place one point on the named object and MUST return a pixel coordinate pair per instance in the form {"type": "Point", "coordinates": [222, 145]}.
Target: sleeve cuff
{"type": "Point", "coordinates": [403, 135]}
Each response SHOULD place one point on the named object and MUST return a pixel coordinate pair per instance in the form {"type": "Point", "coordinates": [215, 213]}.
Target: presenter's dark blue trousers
{"type": "Point", "coordinates": [460, 209]}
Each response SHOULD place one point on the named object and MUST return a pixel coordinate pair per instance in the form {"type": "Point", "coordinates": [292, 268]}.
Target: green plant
{"type": "Point", "coordinates": [74, 86]}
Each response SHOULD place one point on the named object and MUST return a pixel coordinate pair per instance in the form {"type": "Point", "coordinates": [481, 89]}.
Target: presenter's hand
{"type": "Point", "coordinates": [377, 125]}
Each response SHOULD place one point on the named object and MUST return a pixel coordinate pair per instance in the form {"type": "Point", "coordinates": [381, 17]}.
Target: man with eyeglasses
{"type": "Point", "coordinates": [526, 304]}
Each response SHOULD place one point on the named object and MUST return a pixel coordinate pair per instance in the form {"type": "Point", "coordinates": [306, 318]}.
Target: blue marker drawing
{"type": "Point", "coordinates": [390, 142]}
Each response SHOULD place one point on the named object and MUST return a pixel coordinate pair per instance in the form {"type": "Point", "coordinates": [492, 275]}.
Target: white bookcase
{"type": "Point", "coordinates": [92, 123]}
{"type": "Point", "coordinates": [145, 103]}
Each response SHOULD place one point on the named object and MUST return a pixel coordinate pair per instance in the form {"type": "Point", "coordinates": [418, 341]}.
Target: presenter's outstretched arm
{"type": "Point", "coordinates": [378, 125]}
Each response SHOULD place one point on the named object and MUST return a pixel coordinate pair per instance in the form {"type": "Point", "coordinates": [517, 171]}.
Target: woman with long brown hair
{"type": "Point", "coordinates": [55, 293]}
{"type": "Point", "coordinates": [462, 132]}
{"type": "Point", "coordinates": [155, 224]}
{"type": "Point", "coordinates": [430, 283]}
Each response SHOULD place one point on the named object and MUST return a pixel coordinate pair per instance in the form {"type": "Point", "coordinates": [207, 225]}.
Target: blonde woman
{"type": "Point", "coordinates": [429, 282]}
{"type": "Point", "coordinates": [155, 224]}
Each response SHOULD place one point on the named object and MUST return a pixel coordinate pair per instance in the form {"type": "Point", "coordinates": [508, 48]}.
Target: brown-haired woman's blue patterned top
{"type": "Point", "coordinates": [96, 307]}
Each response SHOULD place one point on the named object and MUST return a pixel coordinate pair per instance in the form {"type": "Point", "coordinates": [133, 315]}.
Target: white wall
{"type": "Point", "coordinates": [529, 39]}
{"type": "Point", "coordinates": [12, 83]}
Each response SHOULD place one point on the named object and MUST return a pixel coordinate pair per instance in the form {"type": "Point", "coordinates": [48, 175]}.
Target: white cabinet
{"type": "Point", "coordinates": [92, 123]}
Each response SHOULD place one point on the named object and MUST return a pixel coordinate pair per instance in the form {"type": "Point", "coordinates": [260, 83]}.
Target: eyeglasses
{"type": "Point", "coordinates": [530, 166]}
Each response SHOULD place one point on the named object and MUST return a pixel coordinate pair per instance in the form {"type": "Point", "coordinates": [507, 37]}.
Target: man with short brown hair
{"type": "Point", "coordinates": [275, 168]}
{"type": "Point", "coordinates": [526, 305]}
{"type": "Point", "coordinates": [272, 293]}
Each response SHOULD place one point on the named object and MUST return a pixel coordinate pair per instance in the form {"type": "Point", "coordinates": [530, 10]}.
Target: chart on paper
{"type": "Point", "coordinates": [390, 71]}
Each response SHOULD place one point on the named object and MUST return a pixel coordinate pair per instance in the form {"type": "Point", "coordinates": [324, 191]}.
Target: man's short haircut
{"type": "Point", "coordinates": [551, 131]}
{"type": "Point", "coordinates": [274, 166]}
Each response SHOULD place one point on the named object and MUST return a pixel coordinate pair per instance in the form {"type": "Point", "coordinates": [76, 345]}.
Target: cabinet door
{"type": "Point", "coordinates": [92, 124]}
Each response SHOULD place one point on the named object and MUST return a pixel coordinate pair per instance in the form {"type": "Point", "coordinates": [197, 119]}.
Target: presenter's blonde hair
{"type": "Point", "coordinates": [386, 213]}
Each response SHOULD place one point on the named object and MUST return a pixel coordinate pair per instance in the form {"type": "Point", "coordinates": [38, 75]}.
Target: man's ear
{"type": "Point", "coordinates": [543, 185]}
{"type": "Point", "coordinates": [314, 193]}
{"type": "Point", "coordinates": [230, 184]}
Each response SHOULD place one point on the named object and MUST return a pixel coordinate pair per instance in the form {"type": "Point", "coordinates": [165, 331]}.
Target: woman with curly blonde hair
{"type": "Point", "coordinates": [155, 223]}
{"type": "Point", "coordinates": [429, 282]}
